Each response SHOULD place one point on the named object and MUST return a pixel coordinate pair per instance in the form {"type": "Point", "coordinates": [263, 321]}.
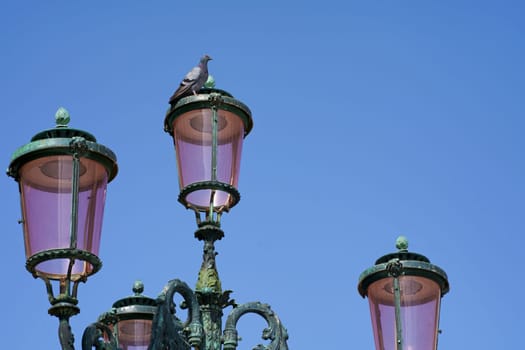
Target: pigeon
{"type": "Point", "coordinates": [193, 81]}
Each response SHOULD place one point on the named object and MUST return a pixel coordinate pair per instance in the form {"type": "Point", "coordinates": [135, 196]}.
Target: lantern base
{"type": "Point", "coordinates": [67, 253]}
{"type": "Point", "coordinates": [64, 309]}
{"type": "Point", "coordinates": [209, 231]}
{"type": "Point", "coordinates": [234, 196]}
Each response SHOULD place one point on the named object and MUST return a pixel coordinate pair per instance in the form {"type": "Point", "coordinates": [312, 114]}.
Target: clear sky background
{"type": "Point", "coordinates": [372, 119]}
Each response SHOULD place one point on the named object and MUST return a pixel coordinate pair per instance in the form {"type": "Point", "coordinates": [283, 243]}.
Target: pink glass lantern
{"type": "Point", "coordinates": [404, 291]}
{"type": "Point", "coordinates": [208, 131]}
{"type": "Point", "coordinates": [62, 175]}
{"type": "Point", "coordinates": [131, 320]}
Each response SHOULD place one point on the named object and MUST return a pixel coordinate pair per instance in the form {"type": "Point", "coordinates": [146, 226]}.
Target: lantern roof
{"type": "Point", "coordinates": [207, 98]}
{"type": "Point", "coordinates": [59, 141]}
{"type": "Point", "coordinates": [136, 299]}
{"type": "Point", "coordinates": [411, 264]}
{"type": "Point", "coordinates": [137, 306]}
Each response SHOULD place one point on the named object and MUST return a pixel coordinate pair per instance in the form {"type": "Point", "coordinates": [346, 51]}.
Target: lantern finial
{"type": "Point", "coordinates": [402, 243]}
{"type": "Point", "coordinates": [62, 117]}
{"type": "Point", "coordinates": [210, 82]}
{"type": "Point", "coordinates": [138, 287]}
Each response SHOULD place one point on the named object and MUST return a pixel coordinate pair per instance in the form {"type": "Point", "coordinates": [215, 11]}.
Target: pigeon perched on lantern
{"type": "Point", "coordinates": [193, 81]}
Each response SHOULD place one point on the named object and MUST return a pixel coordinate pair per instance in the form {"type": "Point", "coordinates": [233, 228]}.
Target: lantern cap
{"type": "Point", "coordinates": [62, 130]}
{"type": "Point", "coordinates": [136, 306]}
{"type": "Point", "coordinates": [208, 98]}
{"type": "Point", "coordinates": [411, 264]}
{"type": "Point", "coordinates": [60, 141]}
{"type": "Point", "coordinates": [136, 299]}
{"type": "Point", "coordinates": [402, 253]}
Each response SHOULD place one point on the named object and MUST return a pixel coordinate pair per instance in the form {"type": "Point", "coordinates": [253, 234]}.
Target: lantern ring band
{"type": "Point", "coordinates": [65, 253]}
{"type": "Point", "coordinates": [210, 185]}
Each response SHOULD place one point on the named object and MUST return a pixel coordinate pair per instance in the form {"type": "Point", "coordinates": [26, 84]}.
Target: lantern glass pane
{"type": "Point", "coordinates": [194, 150]}
{"type": "Point", "coordinates": [419, 312]}
{"type": "Point", "coordinates": [46, 194]}
{"type": "Point", "coordinates": [134, 334]}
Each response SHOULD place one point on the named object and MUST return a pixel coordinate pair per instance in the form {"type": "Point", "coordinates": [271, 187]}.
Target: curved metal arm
{"type": "Point", "coordinates": [167, 331]}
{"type": "Point", "coordinates": [92, 337]}
{"type": "Point", "coordinates": [275, 331]}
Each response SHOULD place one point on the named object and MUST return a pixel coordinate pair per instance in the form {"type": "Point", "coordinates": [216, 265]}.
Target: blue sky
{"type": "Point", "coordinates": [371, 119]}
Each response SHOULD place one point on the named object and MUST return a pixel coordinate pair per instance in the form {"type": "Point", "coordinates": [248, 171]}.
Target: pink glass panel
{"type": "Point", "coordinates": [193, 145]}
{"type": "Point", "coordinates": [420, 298]}
{"type": "Point", "coordinates": [134, 334]}
{"type": "Point", "coordinates": [46, 195]}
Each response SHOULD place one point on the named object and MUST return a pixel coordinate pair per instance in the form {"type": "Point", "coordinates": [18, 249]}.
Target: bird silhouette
{"type": "Point", "coordinates": [193, 81]}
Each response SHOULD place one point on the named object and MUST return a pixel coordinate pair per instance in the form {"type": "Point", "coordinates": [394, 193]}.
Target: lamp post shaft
{"type": "Point", "coordinates": [209, 290]}
{"type": "Point", "coordinates": [212, 325]}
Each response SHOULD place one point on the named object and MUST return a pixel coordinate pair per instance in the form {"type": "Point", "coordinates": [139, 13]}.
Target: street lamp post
{"type": "Point", "coordinates": [62, 175]}
{"type": "Point", "coordinates": [404, 291]}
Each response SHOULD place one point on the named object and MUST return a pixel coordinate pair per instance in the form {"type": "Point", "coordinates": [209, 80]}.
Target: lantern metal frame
{"type": "Point", "coordinates": [214, 99]}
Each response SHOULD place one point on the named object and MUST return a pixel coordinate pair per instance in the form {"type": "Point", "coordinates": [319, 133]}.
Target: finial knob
{"type": "Point", "coordinates": [138, 287]}
{"type": "Point", "coordinates": [402, 243]}
{"type": "Point", "coordinates": [210, 83]}
{"type": "Point", "coordinates": [62, 117]}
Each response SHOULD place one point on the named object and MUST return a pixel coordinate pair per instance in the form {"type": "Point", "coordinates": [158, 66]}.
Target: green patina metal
{"type": "Point", "coordinates": [208, 280]}
{"type": "Point", "coordinates": [214, 123]}
{"type": "Point", "coordinates": [397, 312]}
{"type": "Point", "coordinates": [210, 82]}
{"type": "Point", "coordinates": [52, 146]}
{"type": "Point", "coordinates": [65, 253]}
{"type": "Point", "coordinates": [402, 243]}
{"type": "Point", "coordinates": [62, 117]}
{"type": "Point", "coordinates": [210, 185]}
{"type": "Point", "coordinates": [275, 332]}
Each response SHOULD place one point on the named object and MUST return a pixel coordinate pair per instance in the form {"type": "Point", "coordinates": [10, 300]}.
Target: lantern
{"type": "Point", "coordinates": [62, 175]}
{"type": "Point", "coordinates": [404, 291]}
{"type": "Point", "coordinates": [208, 131]}
{"type": "Point", "coordinates": [130, 320]}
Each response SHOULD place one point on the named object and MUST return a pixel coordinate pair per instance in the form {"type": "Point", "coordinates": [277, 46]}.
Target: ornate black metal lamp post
{"type": "Point", "coordinates": [210, 127]}
{"type": "Point", "coordinates": [67, 168]}
{"type": "Point", "coordinates": [404, 291]}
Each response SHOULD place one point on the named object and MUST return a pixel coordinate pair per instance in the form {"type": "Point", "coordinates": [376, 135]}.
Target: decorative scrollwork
{"type": "Point", "coordinates": [394, 268]}
{"type": "Point", "coordinates": [93, 337]}
{"type": "Point", "coordinates": [275, 331]}
{"type": "Point", "coordinates": [78, 145]}
{"type": "Point", "coordinates": [168, 332]}
{"type": "Point", "coordinates": [215, 100]}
